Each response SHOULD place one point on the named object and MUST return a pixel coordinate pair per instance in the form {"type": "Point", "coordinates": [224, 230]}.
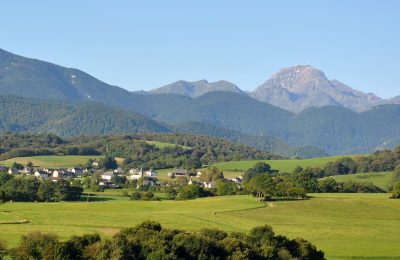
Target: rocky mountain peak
{"type": "Point", "coordinates": [303, 86]}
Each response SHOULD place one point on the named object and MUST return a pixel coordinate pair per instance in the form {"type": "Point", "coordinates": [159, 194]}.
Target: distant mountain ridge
{"type": "Point", "coordinates": [300, 87]}
{"type": "Point", "coordinates": [18, 114]}
{"type": "Point", "coordinates": [196, 88]}
{"type": "Point", "coordinates": [78, 97]}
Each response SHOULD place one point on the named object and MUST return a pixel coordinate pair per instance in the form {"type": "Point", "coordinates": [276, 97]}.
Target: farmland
{"type": "Point", "coordinates": [236, 168]}
{"type": "Point", "coordinates": [380, 179]}
{"type": "Point", "coordinates": [51, 161]}
{"type": "Point", "coordinates": [281, 165]}
{"type": "Point", "coordinates": [343, 225]}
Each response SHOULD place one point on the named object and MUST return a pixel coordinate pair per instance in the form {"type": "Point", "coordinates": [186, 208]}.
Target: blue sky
{"type": "Point", "coordinates": [147, 44]}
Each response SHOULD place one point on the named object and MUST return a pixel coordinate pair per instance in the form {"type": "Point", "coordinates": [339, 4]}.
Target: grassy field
{"type": "Point", "coordinates": [380, 179]}
{"type": "Point", "coordinates": [53, 161]}
{"type": "Point", "coordinates": [236, 168]}
{"type": "Point", "coordinates": [163, 145]}
{"type": "Point", "coordinates": [281, 165]}
{"type": "Point", "coordinates": [343, 225]}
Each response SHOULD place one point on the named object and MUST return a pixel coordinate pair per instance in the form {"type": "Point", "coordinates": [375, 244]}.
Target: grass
{"type": "Point", "coordinates": [343, 225]}
{"type": "Point", "coordinates": [235, 168]}
{"type": "Point", "coordinates": [53, 161]}
{"type": "Point", "coordinates": [163, 145]}
{"type": "Point", "coordinates": [380, 179]}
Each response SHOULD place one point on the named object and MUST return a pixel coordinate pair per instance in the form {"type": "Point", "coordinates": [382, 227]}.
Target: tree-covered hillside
{"type": "Point", "coordinates": [134, 148]}
{"type": "Point", "coordinates": [72, 119]}
{"type": "Point", "coordinates": [261, 142]}
{"type": "Point", "coordinates": [26, 115]}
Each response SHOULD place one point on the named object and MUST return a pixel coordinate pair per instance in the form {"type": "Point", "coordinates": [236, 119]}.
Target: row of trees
{"type": "Point", "coordinates": [265, 183]}
{"type": "Point", "coordinates": [28, 188]}
{"type": "Point", "coordinates": [149, 240]}
{"type": "Point", "coordinates": [380, 161]}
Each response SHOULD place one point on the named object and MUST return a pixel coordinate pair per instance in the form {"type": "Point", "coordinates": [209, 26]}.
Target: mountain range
{"type": "Point", "coordinates": [296, 112]}
{"type": "Point", "coordinates": [197, 88]}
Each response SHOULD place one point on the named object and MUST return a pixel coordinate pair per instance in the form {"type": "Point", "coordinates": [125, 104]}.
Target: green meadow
{"type": "Point", "coordinates": [53, 161]}
{"type": "Point", "coordinates": [380, 179]}
{"type": "Point", "coordinates": [163, 144]}
{"type": "Point", "coordinates": [235, 168]}
{"type": "Point", "coordinates": [343, 225]}
{"type": "Point", "coordinates": [281, 165]}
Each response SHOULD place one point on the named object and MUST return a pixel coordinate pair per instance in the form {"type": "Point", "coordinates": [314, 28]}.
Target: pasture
{"type": "Point", "coordinates": [343, 225]}
{"type": "Point", "coordinates": [236, 168]}
{"type": "Point", "coordinates": [380, 179]}
{"type": "Point", "coordinates": [53, 161]}
{"type": "Point", "coordinates": [163, 144]}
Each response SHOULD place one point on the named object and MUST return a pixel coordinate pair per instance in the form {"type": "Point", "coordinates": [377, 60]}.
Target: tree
{"type": "Point", "coordinates": [258, 168]}
{"type": "Point", "coordinates": [262, 186]}
{"type": "Point", "coordinates": [288, 189]}
{"type": "Point", "coordinates": [396, 190]}
{"type": "Point", "coordinates": [46, 191]}
{"type": "Point", "coordinates": [35, 245]}
{"type": "Point", "coordinates": [225, 187]}
{"type": "Point", "coordinates": [328, 185]}
{"type": "Point", "coordinates": [211, 174]}
{"type": "Point", "coordinates": [306, 180]}
{"type": "Point", "coordinates": [17, 166]}
{"type": "Point", "coordinates": [136, 195]}
{"type": "Point", "coordinates": [108, 162]}
{"type": "Point", "coordinates": [191, 192]}
{"type": "Point", "coordinates": [395, 177]}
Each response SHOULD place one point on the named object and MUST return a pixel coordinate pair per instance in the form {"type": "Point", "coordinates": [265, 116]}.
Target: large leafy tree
{"type": "Point", "coordinates": [258, 168]}
{"type": "Point", "coordinates": [262, 186]}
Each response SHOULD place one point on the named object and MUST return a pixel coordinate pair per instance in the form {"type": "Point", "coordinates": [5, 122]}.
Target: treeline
{"type": "Point", "coordinates": [266, 184]}
{"type": "Point", "coordinates": [379, 161]}
{"type": "Point", "coordinates": [190, 151]}
{"type": "Point", "coordinates": [149, 240]}
{"type": "Point", "coordinates": [29, 189]}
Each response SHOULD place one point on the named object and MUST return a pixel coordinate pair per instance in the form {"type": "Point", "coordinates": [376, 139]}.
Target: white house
{"type": "Point", "coordinates": [150, 173]}
{"type": "Point", "coordinates": [41, 175]}
{"type": "Point", "coordinates": [76, 171]}
{"type": "Point", "coordinates": [238, 180]}
{"type": "Point", "coordinates": [13, 171]}
{"type": "Point", "coordinates": [135, 174]}
{"type": "Point", "coordinates": [59, 173]}
{"type": "Point", "coordinates": [107, 176]}
{"type": "Point", "coordinates": [119, 171]}
{"type": "Point", "coordinates": [209, 185]}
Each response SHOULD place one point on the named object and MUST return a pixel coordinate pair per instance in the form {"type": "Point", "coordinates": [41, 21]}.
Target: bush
{"type": "Point", "coordinates": [149, 240]}
{"type": "Point", "coordinates": [396, 190]}
{"type": "Point", "coordinates": [191, 192]}
{"type": "Point", "coordinates": [136, 195]}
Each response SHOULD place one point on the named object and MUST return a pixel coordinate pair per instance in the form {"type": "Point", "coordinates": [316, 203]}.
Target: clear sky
{"type": "Point", "coordinates": [147, 44]}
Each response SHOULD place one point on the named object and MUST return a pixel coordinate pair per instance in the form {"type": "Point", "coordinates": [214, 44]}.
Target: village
{"type": "Point", "coordinates": [116, 178]}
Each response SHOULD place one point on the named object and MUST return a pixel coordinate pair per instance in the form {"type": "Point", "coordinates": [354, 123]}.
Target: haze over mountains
{"type": "Point", "coordinates": [319, 114]}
